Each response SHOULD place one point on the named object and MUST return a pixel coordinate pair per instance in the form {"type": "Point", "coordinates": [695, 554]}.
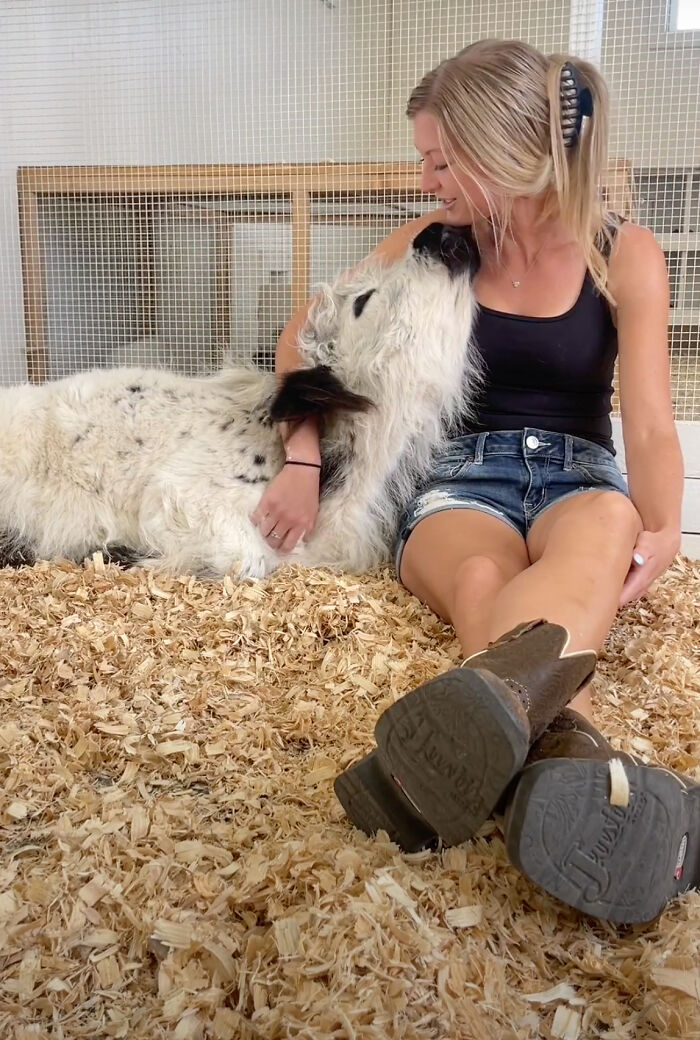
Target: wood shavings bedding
{"type": "Point", "coordinates": [174, 862]}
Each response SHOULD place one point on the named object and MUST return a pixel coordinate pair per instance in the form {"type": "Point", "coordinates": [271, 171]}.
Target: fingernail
{"type": "Point", "coordinates": [639, 559]}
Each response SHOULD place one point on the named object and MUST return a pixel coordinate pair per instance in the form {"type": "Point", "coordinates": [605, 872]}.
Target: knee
{"type": "Point", "coordinates": [600, 544]}
{"type": "Point", "coordinates": [477, 578]}
{"type": "Point", "coordinates": [621, 519]}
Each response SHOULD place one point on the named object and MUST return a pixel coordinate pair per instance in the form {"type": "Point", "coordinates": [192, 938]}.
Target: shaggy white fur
{"type": "Point", "coordinates": [169, 468]}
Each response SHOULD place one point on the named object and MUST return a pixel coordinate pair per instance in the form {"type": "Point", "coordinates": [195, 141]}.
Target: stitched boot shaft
{"type": "Point", "coordinates": [540, 676]}
{"type": "Point", "coordinates": [570, 735]}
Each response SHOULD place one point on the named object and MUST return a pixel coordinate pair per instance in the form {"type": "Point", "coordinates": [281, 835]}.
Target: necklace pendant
{"type": "Point", "coordinates": [515, 284]}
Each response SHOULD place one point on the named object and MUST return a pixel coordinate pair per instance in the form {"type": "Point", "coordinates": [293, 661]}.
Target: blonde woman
{"type": "Point", "coordinates": [528, 515]}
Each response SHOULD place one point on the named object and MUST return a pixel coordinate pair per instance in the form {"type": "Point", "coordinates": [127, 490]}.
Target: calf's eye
{"type": "Point", "coordinates": [359, 303]}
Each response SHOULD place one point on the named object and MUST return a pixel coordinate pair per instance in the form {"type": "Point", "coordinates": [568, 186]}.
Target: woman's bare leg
{"type": "Point", "coordinates": [457, 562]}
{"type": "Point", "coordinates": [476, 572]}
{"type": "Point", "coordinates": [581, 551]}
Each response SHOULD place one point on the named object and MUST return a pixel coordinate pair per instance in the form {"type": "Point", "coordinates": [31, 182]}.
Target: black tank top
{"type": "Point", "coordinates": [548, 373]}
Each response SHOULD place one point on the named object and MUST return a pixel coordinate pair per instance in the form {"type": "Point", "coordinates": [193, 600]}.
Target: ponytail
{"type": "Point", "coordinates": [579, 158]}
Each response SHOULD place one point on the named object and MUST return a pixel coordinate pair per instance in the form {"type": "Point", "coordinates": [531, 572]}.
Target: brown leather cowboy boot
{"type": "Point", "coordinates": [600, 830]}
{"type": "Point", "coordinates": [447, 751]}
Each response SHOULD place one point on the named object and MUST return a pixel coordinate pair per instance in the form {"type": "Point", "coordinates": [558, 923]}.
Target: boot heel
{"type": "Point", "coordinates": [454, 745]}
{"type": "Point", "coordinates": [374, 803]}
{"type": "Point", "coordinates": [617, 863]}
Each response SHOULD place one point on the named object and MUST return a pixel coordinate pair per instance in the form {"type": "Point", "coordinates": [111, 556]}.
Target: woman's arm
{"type": "Point", "coordinates": [301, 441]}
{"type": "Point", "coordinates": [639, 283]}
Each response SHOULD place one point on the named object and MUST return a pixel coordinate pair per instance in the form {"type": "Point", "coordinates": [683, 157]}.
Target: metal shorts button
{"type": "Point", "coordinates": [532, 442]}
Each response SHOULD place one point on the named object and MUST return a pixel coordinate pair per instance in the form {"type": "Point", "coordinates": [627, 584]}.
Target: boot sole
{"type": "Point", "coordinates": [454, 745]}
{"type": "Point", "coordinates": [620, 864]}
{"type": "Point", "coordinates": [374, 803]}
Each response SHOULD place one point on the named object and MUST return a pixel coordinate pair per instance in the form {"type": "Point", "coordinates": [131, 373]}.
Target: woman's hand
{"type": "Point", "coordinates": [289, 507]}
{"type": "Point", "coordinates": [653, 553]}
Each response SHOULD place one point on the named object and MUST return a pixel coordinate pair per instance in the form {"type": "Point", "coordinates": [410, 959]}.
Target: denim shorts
{"type": "Point", "coordinates": [514, 475]}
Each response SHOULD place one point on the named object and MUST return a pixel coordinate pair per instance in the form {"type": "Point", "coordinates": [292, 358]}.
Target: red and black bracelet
{"type": "Point", "coordinates": [294, 462]}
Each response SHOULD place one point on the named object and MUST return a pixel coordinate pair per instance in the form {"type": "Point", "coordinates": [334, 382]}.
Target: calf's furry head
{"type": "Point", "coordinates": [366, 337]}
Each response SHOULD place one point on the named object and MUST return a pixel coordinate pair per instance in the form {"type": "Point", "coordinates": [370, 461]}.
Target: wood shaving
{"type": "Point", "coordinates": [566, 1024]}
{"type": "Point", "coordinates": [684, 981]}
{"type": "Point", "coordinates": [464, 916]}
{"type": "Point", "coordinates": [175, 863]}
{"type": "Point", "coordinates": [561, 992]}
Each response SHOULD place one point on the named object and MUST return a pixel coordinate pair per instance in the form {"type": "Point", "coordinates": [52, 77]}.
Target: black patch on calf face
{"type": "Point", "coordinates": [314, 391]}
{"type": "Point", "coordinates": [455, 247]}
{"type": "Point", "coordinates": [360, 302]}
{"type": "Point", "coordinates": [15, 551]}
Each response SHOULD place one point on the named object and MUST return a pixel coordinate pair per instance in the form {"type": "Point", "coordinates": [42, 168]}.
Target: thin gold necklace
{"type": "Point", "coordinates": [515, 282]}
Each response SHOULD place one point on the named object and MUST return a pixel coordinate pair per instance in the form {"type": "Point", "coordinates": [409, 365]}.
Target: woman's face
{"type": "Point", "coordinates": [463, 200]}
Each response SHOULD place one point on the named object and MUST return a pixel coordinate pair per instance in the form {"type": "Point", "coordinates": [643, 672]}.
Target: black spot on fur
{"type": "Point", "coordinates": [78, 439]}
{"type": "Point", "coordinates": [334, 470]}
{"type": "Point", "coordinates": [314, 391]}
{"type": "Point", "coordinates": [259, 460]}
{"type": "Point", "coordinates": [139, 441]}
{"type": "Point", "coordinates": [454, 246]}
{"type": "Point", "coordinates": [260, 416]}
{"type": "Point", "coordinates": [123, 555]}
{"type": "Point", "coordinates": [249, 480]}
{"type": "Point", "coordinates": [360, 302]}
{"type": "Point", "coordinates": [15, 551]}
{"type": "Point", "coordinates": [227, 425]}
{"type": "Point", "coordinates": [135, 389]}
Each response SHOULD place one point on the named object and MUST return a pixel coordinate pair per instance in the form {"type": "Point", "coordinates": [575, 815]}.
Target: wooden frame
{"type": "Point", "coordinates": [299, 184]}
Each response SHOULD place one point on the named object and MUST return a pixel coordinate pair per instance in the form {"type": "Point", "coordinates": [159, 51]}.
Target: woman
{"type": "Point", "coordinates": [528, 516]}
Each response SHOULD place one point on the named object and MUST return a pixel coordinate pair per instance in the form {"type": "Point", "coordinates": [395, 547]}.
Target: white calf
{"type": "Point", "coordinates": [159, 469]}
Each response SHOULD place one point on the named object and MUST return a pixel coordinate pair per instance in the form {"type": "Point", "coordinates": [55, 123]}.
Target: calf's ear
{"type": "Point", "coordinates": [314, 391]}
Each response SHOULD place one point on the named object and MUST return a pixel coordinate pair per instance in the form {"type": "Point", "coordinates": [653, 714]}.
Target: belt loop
{"type": "Point", "coordinates": [480, 443]}
{"type": "Point", "coordinates": [568, 451]}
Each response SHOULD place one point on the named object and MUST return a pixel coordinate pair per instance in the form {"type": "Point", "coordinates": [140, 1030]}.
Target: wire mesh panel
{"type": "Point", "coordinates": [135, 270]}
{"type": "Point", "coordinates": [651, 59]}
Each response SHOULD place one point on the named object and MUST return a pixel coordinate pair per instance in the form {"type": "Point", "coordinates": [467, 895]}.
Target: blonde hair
{"type": "Point", "coordinates": [497, 106]}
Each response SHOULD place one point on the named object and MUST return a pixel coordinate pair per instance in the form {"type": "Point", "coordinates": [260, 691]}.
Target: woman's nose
{"type": "Point", "coordinates": [428, 180]}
